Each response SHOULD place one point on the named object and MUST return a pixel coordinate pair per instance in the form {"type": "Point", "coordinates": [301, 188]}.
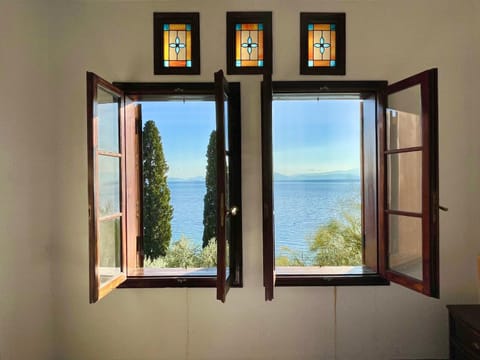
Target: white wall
{"type": "Point", "coordinates": [386, 39]}
{"type": "Point", "coordinates": [26, 174]}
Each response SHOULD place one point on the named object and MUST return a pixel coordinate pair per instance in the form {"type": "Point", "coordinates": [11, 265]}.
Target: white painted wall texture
{"type": "Point", "coordinates": [46, 130]}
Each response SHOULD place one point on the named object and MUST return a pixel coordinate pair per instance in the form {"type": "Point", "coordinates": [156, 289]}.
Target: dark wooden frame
{"type": "Point", "coordinates": [429, 285]}
{"type": "Point", "coordinates": [152, 91]}
{"type": "Point", "coordinates": [328, 18]}
{"type": "Point", "coordinates": [233, 18]}
{"type": "Point", "coordinates": [98, 291]}
{"type": "Point", "coordinates": [372, 94]}
{"type": "Point", "coordinates": [175, 18]}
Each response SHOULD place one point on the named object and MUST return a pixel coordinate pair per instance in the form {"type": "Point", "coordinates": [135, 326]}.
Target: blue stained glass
{"type": "Point", "coordinates": [188, 27]}
{"type": "Point", "coordinates": [260, 26]}
{"type": "Point", "coordinates": [260, 62]}
{"type": "Point", "coordinates": [189, 63]}
{"type": "Point", "coordinates": [332, 26]}
{"type": "Point", "coordinates": [165, 63]}
{"type": "Point", "coordinates": [165, 27]}
{"type": "Point", "coordinates": [238, 27]}
{"type": "Point", "coordinates": [310, 63]}
{"type": "Point", "coordinates": [238, 63]}
{"type": "Point", "coordinates": [310, 26]}
{"type": "Point", "coordinates": [332, 62]}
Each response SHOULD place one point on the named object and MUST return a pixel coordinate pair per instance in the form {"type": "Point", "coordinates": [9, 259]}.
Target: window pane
{"type": "Point", "coordinates": [405, 245]}
{"type": "Point", "coordinates": [109, 184]}
{"type": "Point", "coordinates": [404, 122]}
{"type": "Point", "coordinates": [322, 49]}
{"type": "Point", "coordinates": [177, 44]}
{"type": "Point", "coordinates": [109, 248]}
{"type": "Point", "coordinates": [108, 121]}
{"type": "Point", "coordinates": [404, 176]}
{"type": "Point", "coordinates": [249, 45]}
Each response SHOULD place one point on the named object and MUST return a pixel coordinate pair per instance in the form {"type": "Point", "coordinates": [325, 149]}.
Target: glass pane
{"type": "Point", "coordinates": [249, 45]}
{"type": "Point", "coordinates": [109, 249]}
{"type": "Point", "coordinates": [322, 49]}
{"type": "Point", "coordinates": [404, 181]}
{"type": "Point", "coordinates": [405, 245]}
{"type": "Point", "coordinates": [109, 184]}
{"type": "Point", "coordinates": [108, 106]}
{"type": "Point", "coordinates": [404, 122]}
{"type": "Point", "coordinates": [227, 144]}
{"type": "Point", "coordinates": [177, 42]}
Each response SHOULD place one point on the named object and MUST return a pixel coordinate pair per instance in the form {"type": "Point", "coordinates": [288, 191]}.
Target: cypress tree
{"type": "Point", "coordinates": [157, 211]}
{"type": "Point", "coordinates": [209, 201]}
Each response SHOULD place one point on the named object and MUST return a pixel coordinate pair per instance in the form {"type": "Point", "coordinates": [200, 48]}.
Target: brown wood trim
{"type": "Point", "coordinates": [220, 96]}
{"type": "Point", "coordinates": [107, 288]}
{"type": "Point", "coordinates": [404, 150]}
{"type": "Point", "coordinates": [332, 280]}
{"type": "Point", "coordinates": [403, 213]}
{"type": "Point", "coordinates": [109, 153]}
{"type": "Point", "coordinates": [110, 217]}
{"type": "Point", "coordinates": [267, 189]}
{"type": "Point", "coordinates": [233, 18]}
{"type": "Point", "coordinates": [159, 19]}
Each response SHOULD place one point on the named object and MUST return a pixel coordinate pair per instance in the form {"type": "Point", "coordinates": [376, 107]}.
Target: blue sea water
{"type": "Point", "coordinates": [300, 208]}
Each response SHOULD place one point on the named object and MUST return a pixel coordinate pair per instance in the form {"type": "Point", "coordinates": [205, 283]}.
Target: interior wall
{"type": "Point", "coordinates": [26, 183]}
{"type": "Point", "coordinates": [386, 40]}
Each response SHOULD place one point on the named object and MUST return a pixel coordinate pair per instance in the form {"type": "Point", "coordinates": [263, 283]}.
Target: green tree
{"type": "Point", "coordinates": [339, 242]}
{"type": "Point", "coordinates": [209, 201]}
{"type": "Point", "coordinates": [158, 212]}
{"type": "Point", "coordinates": [182, 254]}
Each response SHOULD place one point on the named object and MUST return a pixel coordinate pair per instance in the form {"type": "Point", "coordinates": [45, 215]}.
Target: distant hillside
{"type": "Point", "coordinates": [340, 175]}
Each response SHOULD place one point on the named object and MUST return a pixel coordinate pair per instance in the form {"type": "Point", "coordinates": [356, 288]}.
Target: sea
{"type": "Point", "coordinates": [301, 206]}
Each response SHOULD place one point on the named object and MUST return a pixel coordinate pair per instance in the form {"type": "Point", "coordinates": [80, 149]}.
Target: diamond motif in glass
{"type": "Point", "coordinates": [177, 45]}
{"type": "Point", "coordinates": [249, 45]}
{"type": "Point", "coordinates": [321, 45]}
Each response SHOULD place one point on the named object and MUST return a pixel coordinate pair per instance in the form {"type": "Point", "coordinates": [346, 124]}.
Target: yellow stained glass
{"type": "Point", "coordinates": [249, 45]}
{"type": "Point", "coordinates": [322, 45]}
{"type": "Point", "coordinates": [177, 45]}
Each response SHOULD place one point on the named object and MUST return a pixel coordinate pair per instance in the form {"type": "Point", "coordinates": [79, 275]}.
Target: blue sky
{"type": "Point", "coordinates": [308, 136]}
{"type": "Point", "coordinates": [315, 136]}
{"type": "Point", "coordinates": [185, 130]}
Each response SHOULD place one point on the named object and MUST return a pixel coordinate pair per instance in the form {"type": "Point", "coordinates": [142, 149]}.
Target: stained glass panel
{"type": "Point", "coordinates": [177, 45]}
{"type": "Point", "coordinates": [249, 45]}
{"type": "Point", "coordinates": [322, 39]}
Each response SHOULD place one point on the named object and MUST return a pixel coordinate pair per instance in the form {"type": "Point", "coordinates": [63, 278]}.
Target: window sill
{"type": "Point", "coordinates": [327, 276]}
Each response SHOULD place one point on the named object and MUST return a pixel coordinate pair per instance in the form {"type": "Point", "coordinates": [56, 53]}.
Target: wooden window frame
{"type": "Point", "coordinates": [331, 18]}
{"type": "Point", "coordinates": [159, 19]}
{"type": "Point", "coordinates": [264, 17]}
{"type": "Point", "coordinates": [131, 134]}
{"type": "Point", "coordinates": [373, 183]}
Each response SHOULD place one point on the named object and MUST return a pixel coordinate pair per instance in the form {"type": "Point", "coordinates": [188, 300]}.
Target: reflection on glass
{"type": "Point", "coordinates": [227, 144]}
{"type": "Point", "coordinates": [405, 245]}
{"type": "Point", "coordinates": [404, 126]}
{"type": "Point", "coordinates": [108, 121]}
{"type": "Point", "coordinates": [404, 179]}
{"type": "Point", "coordinates": [404, 130]}
{"type": "Point", "coordinates": [109, 181]}
{"type": "Point", "coordinates": [109, 248]}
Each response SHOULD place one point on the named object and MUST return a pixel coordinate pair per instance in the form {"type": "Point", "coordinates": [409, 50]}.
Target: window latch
{"type": "Point", "coordinates": [443, 208]}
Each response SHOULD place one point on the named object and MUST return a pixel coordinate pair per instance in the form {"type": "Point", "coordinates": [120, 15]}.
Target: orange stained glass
{"type": "Point", "coordinates": [249, 45]}
{"type": "Point", "coordinates": [177, 45]}
{"type": "Point", "coordinates": [321, 44]}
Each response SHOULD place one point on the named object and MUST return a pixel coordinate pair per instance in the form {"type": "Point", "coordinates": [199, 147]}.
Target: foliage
{"type": "Point", "coordinates": [339, 242]}
{"type": "Point", "coordinates": [184, 254]}
{"type": "Point", "coordinates": [209, 201]}
{"type": "Point", "coordinates": [158, 212]}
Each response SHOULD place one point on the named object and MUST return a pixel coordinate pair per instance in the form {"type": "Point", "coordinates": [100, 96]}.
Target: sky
{"type": "Point", "coordinates": [315, 136]}
{"type": "Point", "coordinates": [308, 136]}
{"type": "Point", "coordinates": [185, 129]}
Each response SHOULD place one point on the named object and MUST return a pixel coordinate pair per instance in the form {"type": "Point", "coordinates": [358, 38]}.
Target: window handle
{"type": "Point", "coordinates": [233, 211]}
{"type": "Point", "coordinates": [443, 208]}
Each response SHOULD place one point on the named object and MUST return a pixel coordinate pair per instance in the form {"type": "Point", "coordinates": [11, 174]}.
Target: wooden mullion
{"type": "Point", "coordinates": [404, 150]}
{"type": "Point", "coordinates": [404, 213]}
{"type": "Point", "coordinates": [110, 217]}
{"type": "Point", "coordinates": [109, 153]}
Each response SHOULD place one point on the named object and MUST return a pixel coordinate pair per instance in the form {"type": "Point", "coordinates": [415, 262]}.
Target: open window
{"type": "Point", "coordinates": [178, 194]}
{"type": "Point", "coordinates": [350, 190]}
